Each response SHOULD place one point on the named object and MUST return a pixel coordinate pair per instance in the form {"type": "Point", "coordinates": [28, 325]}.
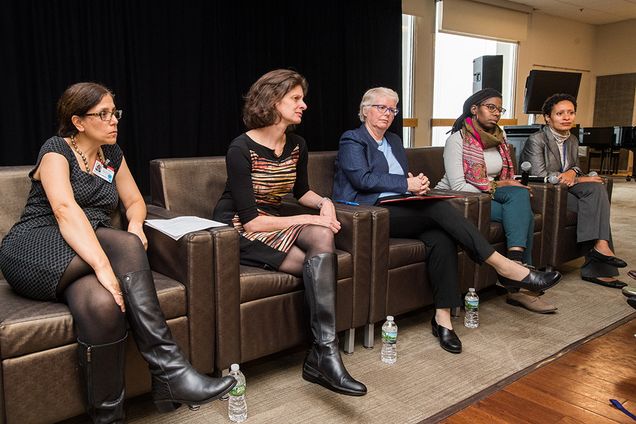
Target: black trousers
{"type": "Point", "coordinates": [441, 227]}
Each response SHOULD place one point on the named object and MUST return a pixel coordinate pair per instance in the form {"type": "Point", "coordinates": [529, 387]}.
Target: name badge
{"type": "Point", "coordinates": [106, 173]}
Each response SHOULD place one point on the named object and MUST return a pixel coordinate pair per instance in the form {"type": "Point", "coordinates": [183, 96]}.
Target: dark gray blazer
{"type": "Point", "coordinates": [542, 152]}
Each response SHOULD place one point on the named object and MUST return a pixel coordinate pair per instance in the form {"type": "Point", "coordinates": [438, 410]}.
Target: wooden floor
{"type": "Point", "coordinates": [574, 388]}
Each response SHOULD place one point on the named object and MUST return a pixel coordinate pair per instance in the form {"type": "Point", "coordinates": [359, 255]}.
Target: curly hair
{"type": "Point", "coordinates": [549, 103]}
{"type": "Point", "coordinates": [260, 101]}
{"type": "Point", "coordinates": [78, 99]}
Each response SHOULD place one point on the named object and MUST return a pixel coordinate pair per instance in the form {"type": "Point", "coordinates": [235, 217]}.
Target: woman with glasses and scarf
{"type": "Point", "coordinates": [555, 151]}
{"type": "Point", "coordinates": [477, 159]}
{"type": "Point", "coordinates": [371, 164]}
{"type": "Point", "coordinates": [64, 249]}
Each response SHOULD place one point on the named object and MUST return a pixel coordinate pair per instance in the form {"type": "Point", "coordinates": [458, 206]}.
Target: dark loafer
{"type": "Point", "coordinates": [632, 274]}
{"type": "Point", "coordinates": [536, 281]}
{"type": "Point", "coordinates": [610, 260]}
{"type": "Point", "coordinates": [448, 340]}
{"type": "Point", "coordinates": [632, 301]}
{"type": "Point", "coordinates": [616, 284]}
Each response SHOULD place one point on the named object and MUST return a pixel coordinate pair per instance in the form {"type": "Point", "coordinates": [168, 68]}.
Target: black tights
{"type": "Point", "coordinates": [312, 240]}
{"type": "Point", "coordinates": [97, 317]}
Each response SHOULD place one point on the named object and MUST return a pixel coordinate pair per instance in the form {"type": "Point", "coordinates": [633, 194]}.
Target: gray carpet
{"type": "Point", "coordinates": [426, 380]}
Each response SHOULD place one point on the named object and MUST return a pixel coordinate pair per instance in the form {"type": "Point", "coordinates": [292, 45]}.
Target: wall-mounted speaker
{"type": "Point", "coordinates": [488, 72]}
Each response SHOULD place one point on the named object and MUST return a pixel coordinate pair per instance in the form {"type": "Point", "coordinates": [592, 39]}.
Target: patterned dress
{"type": "Point", "coordinates": [257, 181]}
{"type": "Point", "coordinates": [34, 255]}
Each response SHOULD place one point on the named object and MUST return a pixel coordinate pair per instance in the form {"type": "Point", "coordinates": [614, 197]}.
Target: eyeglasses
{"type": "Point", "coordinates": [107, 115]}
{"type": "Point", "coordinates": [383, 109]}
{"type": "Point", "coordinates": [492, 108]}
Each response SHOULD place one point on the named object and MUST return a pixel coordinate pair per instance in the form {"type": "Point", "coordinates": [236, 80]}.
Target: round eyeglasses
{"type": "Point", "coordinates": [107, 115]}
{"type": "Point", "coordinates": [492, 108]}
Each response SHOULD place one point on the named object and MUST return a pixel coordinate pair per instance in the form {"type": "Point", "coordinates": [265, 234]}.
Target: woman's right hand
{"type": "Point", "coordinates": [419, 184]}
{"type": "Point", "coordinates": [324, 221]}
{"type": "Point", "coordinates": [107, 278]}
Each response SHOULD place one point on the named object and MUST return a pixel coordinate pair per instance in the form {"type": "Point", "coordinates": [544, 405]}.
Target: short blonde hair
{"type": "Point", "coordinates": [369, 98]}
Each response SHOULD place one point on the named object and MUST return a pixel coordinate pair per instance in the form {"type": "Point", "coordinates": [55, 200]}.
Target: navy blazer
{"type": "Point", "coordinates": [362, 172]}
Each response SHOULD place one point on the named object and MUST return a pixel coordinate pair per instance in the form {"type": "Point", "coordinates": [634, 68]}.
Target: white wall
{"type": "Point", "coordinates": [615, 49]}
{"type": "Point", "coordinates": [558, 44]}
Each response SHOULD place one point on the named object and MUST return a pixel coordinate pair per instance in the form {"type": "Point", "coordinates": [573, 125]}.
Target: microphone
{"type": "Point", "coordinates": [525, 172]}
{"type": "Point", "coordinates": [553, 179]}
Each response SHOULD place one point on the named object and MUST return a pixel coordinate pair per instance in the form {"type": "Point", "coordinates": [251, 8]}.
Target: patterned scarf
{"type": "Point", "coordinates": [475, 141]}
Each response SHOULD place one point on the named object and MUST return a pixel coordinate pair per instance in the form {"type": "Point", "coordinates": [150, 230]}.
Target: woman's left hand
{"type": "Point", "coordinates": [138, 230]}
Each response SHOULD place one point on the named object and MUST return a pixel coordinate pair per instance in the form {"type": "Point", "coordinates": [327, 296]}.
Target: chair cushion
{"type": "Point", "coordinates": [258, 283]}
{"type": "Point", "coordinates": [28, 326]}
{"type": "Point", "coordinates": [405, 252]}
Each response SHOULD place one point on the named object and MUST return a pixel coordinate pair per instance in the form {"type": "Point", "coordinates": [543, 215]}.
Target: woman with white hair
{"type": "Point", "coordinates": [371, 164]}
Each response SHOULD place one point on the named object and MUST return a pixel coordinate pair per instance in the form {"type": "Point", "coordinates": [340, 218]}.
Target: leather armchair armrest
{"type": "Point", "coordinates": [226, 271]}
{"type": "Point", "coordinates": [354, 237]}
{"type": "Point", "coordinates": [189, 261]}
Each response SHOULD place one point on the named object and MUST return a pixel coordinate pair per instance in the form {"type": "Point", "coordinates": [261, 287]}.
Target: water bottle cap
{"type": "Point", "coordinates": [389, 317]}
{"type": "Point", "coordinates": [471, 289]}
{"type": "Point", "coordinates": [234, 367]}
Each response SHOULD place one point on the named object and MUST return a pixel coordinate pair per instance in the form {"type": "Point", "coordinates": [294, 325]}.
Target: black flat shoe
{"type": "Point", "coordinates": [616, 284]}
{"type": "Point", "coordinates": [448, 340]}
{"type": "Point", "coordinates": [610, 260]}
{"type": "Point", "coordinates": [535, 281]}
{"type": "Point", "coordinates": [632, 301]}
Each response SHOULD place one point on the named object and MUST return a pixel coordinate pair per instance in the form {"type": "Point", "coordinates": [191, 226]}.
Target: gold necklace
{"type": "Point", "coordinates": [83, 156]}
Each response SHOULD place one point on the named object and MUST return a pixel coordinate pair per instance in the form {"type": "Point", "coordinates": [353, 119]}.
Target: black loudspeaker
{"type": "Point", "coordinates": [488, 72]}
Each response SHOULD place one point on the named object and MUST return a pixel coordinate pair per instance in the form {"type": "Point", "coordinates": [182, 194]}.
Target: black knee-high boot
{"type": "Point", "coordinates": [323, 364]}
{"type": "Point", "coordinates": [174, 381]}
{"type": "Point", "coordinates": [102, 371]}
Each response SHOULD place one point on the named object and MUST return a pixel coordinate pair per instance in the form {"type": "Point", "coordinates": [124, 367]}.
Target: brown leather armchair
{"type": "Point", "coordinates": [39, 380]}
{"type": "Point", "coordinates": [560, 234]}
{"type": "Point", "coordinates": [542, 202]}
{"type": "Point", "coordinates": [259, 312]}
{"type": "Point", "coordinates": [398, 266]}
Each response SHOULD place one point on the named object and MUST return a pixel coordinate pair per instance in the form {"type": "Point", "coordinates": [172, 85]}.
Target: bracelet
{"type": "Point", "coordinates": [322, 202]}
{"type": "Point", "coordinates": [493, 188]}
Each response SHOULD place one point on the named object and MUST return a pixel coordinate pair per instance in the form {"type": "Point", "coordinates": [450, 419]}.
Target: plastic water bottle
{"type": "Point", "coordinates": [389, 341]}
{"type": "Point", "coordinates": [237, 406]}
{"type": "Point", "coordinates": [471, 302]}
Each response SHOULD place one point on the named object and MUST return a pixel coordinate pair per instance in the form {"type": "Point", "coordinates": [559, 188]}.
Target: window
{"type": "Point", "coordinates": [454, 55]}
{"type": "Point", "coordinates": [406, 102]}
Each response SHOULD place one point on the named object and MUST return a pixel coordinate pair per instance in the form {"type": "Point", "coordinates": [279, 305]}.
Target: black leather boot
{"type": "Point", "coordinates": [102, 371]}
{"type": "Point", "coordinates": [323, 364]}
{"type": "Point", "coordinates": [174, 380]}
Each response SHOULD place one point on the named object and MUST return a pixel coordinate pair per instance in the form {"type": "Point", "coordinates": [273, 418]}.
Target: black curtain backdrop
{"type": "Point", "coordinates": [179, 70]}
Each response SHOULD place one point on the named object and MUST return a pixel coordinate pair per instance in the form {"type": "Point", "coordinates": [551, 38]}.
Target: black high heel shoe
{"type": "Point", "coordinates": [448, 340]}
{"type": "Point", "coordinates": [610, 260]}
{"type": "Point", "coordinates": [535, 281]}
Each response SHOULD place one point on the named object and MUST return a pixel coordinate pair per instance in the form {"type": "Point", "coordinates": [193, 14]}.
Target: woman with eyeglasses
{"type": "Point", "coordinates": [63, 249]}
{"type": "Point", "coordinates": [265, 164]}
{"type": "Point", "coordinates": [477, 159]}
{"type": "Point", "coordinates": [555, 151]}
{"type": "Point", "coordinates": [371, 164]}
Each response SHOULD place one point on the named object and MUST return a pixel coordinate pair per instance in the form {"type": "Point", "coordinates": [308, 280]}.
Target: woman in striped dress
{"type": "Point", "coordinates": [263, 165]}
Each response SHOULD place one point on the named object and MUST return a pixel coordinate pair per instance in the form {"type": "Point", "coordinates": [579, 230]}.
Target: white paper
{"type": "Point", "coordinates": [178, 227]}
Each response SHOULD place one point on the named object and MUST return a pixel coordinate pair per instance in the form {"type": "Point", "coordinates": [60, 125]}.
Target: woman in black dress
{"type": "Point", "coordinates": [63, 249]}
{"type": "Point", "coordinates": [263, 165]}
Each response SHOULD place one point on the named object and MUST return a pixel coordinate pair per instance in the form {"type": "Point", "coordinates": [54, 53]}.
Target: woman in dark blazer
{"type": "Point", "coordinates": [371, 164]}
{"type": "Point", "coordinates": [554, 151]}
